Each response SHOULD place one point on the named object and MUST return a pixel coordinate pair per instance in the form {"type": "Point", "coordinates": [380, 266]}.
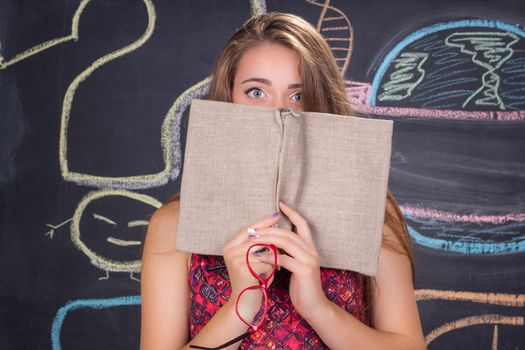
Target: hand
{"type": "Point", "coordinates": [234, 254]}
{"type": "Point", "coordinates": [301, 258]}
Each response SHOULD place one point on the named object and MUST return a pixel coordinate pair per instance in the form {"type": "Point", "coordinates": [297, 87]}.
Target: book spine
{"type": "Point", "coordinates": [282, 115]}
{"type": "Point", "coordinates": [280, 119]}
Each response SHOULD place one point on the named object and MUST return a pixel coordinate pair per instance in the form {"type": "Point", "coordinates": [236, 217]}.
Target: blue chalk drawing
{"type": "Point", "coordinates": [56, 328]}
{"type": "Point", "coordinates": [394, 53]}
{"type": "Point", "coordinates": [457, 239]}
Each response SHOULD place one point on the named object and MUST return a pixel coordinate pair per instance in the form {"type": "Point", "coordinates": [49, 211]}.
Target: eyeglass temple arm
{"type": "Point", "coordinates": [231, 342]}
{"type": "Point", "coordinates": [216, 267]}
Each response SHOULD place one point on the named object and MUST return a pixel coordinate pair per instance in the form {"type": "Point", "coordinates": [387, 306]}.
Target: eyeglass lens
{"type": "Point", "coordinates": [251, 305]}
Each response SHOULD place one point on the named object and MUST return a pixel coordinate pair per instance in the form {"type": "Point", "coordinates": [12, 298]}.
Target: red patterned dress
{"type": "Point", "coordinates": [283, 328]}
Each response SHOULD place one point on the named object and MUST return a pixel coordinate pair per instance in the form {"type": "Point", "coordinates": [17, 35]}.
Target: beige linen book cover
{"type": "Point", "coordinates": [240, 160]}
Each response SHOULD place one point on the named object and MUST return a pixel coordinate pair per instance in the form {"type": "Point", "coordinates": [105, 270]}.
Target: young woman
{"type": "Point", "coordinates": [277, 60]}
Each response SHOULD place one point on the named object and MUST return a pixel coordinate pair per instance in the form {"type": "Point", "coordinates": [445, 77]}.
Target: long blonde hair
{"type": "Point", "coordinates": [323, 88]}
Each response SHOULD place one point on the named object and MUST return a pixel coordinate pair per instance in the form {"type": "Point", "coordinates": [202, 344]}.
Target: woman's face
{"type": "Point", "coordinates": [268, 75]}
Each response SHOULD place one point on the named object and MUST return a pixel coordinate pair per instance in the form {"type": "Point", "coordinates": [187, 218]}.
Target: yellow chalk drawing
{"type": "Point", "coordinates": [513, 300]}
{"type": "Point", "coordinates": [336, 28]}
{"type": "Point", "coordinates": [502, 299]}
{"type": "Point", "coordinates": [473, 321]}
{"type": "Point", "coordinates": [136, 223]}
{"type": "Point", "coordinates": [70, 93]}
{"type": "Point", "coordinates": [50, 43]}
{"type": "Point", "coordinates": [149, 180]}
{"type": "Point", "coordinates": [123, 243]}
{"type": "Point", "coordinates": [495, 338]}
{"type": "Point", "coordinates": [258, 7]}
{"type": "Point", "coordinates": [106, 263]}
{"type": "Point", "coordinates": [168, 129]}
{"type": "Point", "coordinates": [143, 181]}
{"type": "Point", "coordinates": [407, 75]}
{"type": "Point", "coordinates": [51, 232]}
{"type": "Point", "coordinates": [103, 218]}
{"type": "Point", "coordinates": [488, 50]}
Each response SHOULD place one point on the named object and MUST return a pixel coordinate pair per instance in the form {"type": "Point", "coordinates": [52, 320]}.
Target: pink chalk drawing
{"type": "Point", "coordinates": [446, 216]}
{"type": "Point", "coordinates": [359, 93]}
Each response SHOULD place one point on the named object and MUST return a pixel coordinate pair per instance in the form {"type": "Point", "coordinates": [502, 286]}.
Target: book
{"type": "Point", "coordinates": [332, 169]}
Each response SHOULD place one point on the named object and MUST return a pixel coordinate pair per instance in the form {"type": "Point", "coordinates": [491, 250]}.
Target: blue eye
{"type": "Point", "coordinates": [297, 97]}
{"type": "Point", "coordinates": [255, 93]}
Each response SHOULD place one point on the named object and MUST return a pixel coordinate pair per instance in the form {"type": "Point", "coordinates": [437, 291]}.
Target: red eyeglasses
{"type": "Point", "coordinates": [250, 297]}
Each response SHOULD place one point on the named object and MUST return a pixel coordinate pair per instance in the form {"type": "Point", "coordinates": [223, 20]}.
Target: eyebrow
{"type": "Point", "coordinates": [269, 83]}
{"type": "Point", "coordinates": [294, 86]}
{"type": "Point", "coordinates": [258, 80]}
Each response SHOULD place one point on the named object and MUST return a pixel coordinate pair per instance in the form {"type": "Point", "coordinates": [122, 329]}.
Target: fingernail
{"type": "Point", "coordinates": [276, 214]}
{"type": "Point", "coordinates": [281, 201]}
{"type": "Point", "coordinates": [257, 253]}
{"type": "Point", "coordinates": [251, 236]}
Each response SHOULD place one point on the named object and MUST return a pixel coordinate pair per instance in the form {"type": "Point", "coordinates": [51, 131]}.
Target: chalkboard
{"type": "Point", "coordinates": [93, 113]}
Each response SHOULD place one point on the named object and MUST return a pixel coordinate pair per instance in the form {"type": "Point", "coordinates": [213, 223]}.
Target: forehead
{"type": "Point", "coordinates": [269, 60]}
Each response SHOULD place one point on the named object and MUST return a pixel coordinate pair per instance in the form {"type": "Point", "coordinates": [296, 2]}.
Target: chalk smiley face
{"type": "Point", "coordinates": [109, 236]}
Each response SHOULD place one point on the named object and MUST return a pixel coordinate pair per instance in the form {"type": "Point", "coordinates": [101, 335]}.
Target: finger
{"type": "Point", "coordinates": [283, 260]}
{"type": "Point", "coordinates": [267, 221]}
{"type": "Point", "coordinates": [238, 253]}
{"type": "Point", "coordinates": [244, 235]}
{"type": "Point", "coordinates": [289, 246]}
{"type": "Point", "coordinates": [303, 230]}
{"type": "Point", "coordinates": [286, 233]}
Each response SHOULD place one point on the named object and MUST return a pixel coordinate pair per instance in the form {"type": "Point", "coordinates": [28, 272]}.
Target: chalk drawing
{"type": "Point", "coordinates": [511, 300]}
{"type": "Point", "coordinates": [359, 94]}
{"type": "Point", "coordinates": [170, 129]}
{"type": "Point", "coordinates": [105, 263]}
{"type": "Point", "coordinates": [50, 43]}
{"type": "Point", "coordinates": [337, 30]}
{"type": "Point", "coordinates": [429, 33]}
{"type": "Point", "coordinates": [118, 241]}
{"type": "Point", "coordinates": [170, 126]}
{"type": "Point", "coordinates": [51, 233]}
{"type": "Point", "coordinates": [441, 215]}
{"type": "Point", "coordinates": [489, 50]}
{"type": "Point", "coordinates": [70, 93]}
{"type": "Point", "coordinates": [492, 319]}
{"type": "Point", "coordinates": [99, 260]}
{"type": "Point", "coordinates": [465, 238]}
{"type": "Point", "coordinates": [407, 75]}
{"type": "Point", "coordinates": [501, 299]}
{"type": "Point", "coordinates": [64, 311]}
{"type": "Point", "coordinates": [451, 75]}
{"type": "Point", "coordinates": [258, 7]}
{"type": "Point", "coordinates": [514, 70]}
{"type": "Point", "coordinates": [170, 139]}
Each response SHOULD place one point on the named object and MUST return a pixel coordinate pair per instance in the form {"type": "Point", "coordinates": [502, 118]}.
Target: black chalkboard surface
{"type": "Point", "coordinates": [93, 101]}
